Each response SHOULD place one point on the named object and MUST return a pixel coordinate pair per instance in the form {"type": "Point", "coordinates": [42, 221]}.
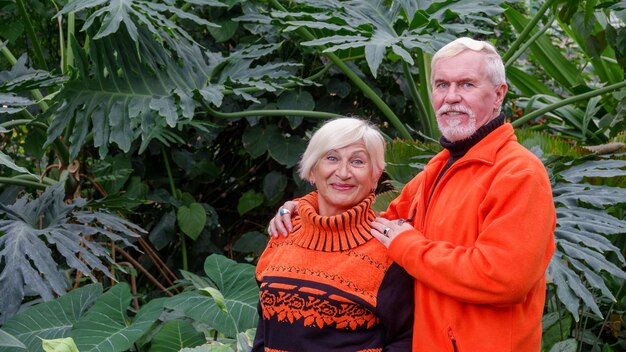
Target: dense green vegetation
{"type": "Point", "coordinates": [147, 144]}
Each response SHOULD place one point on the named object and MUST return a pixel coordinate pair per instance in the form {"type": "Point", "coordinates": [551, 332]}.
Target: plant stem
{"type": "Point", "coordinates": [21, 182]}
{"type": "Point", "coordinates": [247, 113]}
{"type": "Point", "coordinates": [69, 54]}
{"type": "Point", "coordinates": [424, 114]}
{"type": "Point", "coordinates": [568, 101]}
{"type": "Point", "coordinates": [529, 42]}
{"type": "Point", "coordinates": [41, 61]}
{"type": "Point", "coordinates": [369, 92]}
{"type": "Point", "coordinates": [526, 32]}
{"type": "Point", "coordinates": [170, 177]}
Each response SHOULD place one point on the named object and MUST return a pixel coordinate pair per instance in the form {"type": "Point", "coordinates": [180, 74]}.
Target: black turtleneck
{"type": "Point", "coordinates": [459, 148]}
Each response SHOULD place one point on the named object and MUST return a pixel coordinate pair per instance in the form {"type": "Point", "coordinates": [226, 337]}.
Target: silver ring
{"type": "Point", "coordinates": [283, 211]}
{"type": "Point", "coordinates": [386, 231]}
{"type": "Point", "coordinates": [401, 221]}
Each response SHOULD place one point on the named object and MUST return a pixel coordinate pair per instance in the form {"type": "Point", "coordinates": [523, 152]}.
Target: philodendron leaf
{"type": "Point", "coordinates": [192, 219]}
{"type": "Point", "coordinates": [210, 347]}
{"type": "Point", "coordinates": [37, 232]}
{"type": "Point", "coordinates": [569, 345]}
{"type": "Point", "coordinates": [8, 162]}
{"type": "Point", "coordinates": [176, 335]}
{"type": "Point", "coordinates": [65, 344]}
{"type": "Point", "coordinates": [51, 320]}
{"type": "Point", "coordinates": [217, 297]}
{"type": "Point", "coordinates": [8, 340]}
{"type": "Point", "coordinates": [237, 284]}
{"type": "Point", "coordinates": [12, 104]}
{"type": "Point", "coordinates": [595, 168]}
{"type": "Point", "coordinates": [107, 326]}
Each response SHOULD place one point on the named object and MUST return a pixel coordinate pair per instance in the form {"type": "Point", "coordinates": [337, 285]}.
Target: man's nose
{"type": "Point", "coordinates": [452, 95]}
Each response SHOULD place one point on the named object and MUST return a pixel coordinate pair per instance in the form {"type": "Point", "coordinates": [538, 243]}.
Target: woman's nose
{"type": "Point", "coordinates": [343, 170]}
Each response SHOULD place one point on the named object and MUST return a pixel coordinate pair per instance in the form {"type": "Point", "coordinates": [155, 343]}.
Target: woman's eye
{"type": "Point", "coordinates": [331, 158]}
{"type": "Point", "coordinates": [358, 162]}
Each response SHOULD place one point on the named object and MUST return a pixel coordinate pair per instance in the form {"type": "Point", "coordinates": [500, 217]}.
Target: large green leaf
{"type": "Point", "coordinates": [547, 55]}
{"type": "Point", "coordinates": [237, 285]}
{"type": "Point", "coordinates": [129, 12]}
{"type": "Point", "coordinates": [121, 93]}
{"type": "Point", "coordinates": [175, 335]}
{"type": "Point", "coordinates": [526, 83]}
{"type": "Point", "coordinates": [371, 25]}
{"type": "Point", "coordinates": [582, 224]}
{"type": "Point", "coordinates": [8, 162]}
{"type": "Point", "coordinates": [405, 159]}
{"type": "Point", "coordinates": [288, 150]}
{"type": "Point", "coordinates": [595, 168]}
{"type": "Point", "coordinates": [8, 340]}
{"type": "Point", "coordinates": [32, 229]}
{"type": "Point", "coordinates": [21, 78]}
{"type": "Point", "coordinates": [52, 319]}
{"type": "Point", "coordinates": [106, 327]}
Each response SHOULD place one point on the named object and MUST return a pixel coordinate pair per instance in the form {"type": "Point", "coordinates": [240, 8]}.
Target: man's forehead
{"type": "Point", "coordinates": [457, 74]}
{"type": "Point", "coordinates": [458, 68]}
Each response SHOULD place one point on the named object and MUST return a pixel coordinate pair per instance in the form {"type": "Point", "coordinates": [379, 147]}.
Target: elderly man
{"type": "Point", "coordinates": [475, 228]}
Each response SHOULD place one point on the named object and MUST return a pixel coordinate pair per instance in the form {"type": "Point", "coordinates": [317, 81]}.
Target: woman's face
{"type": "Point", "coordinates": [343, 177]}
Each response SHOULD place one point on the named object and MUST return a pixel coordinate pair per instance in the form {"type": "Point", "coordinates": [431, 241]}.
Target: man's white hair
{"type": "Point", "coordinates": [493, 61]}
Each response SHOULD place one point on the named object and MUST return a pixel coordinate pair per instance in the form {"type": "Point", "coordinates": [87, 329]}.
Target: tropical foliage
{"type": "Point", "coordinates": [144, 143]}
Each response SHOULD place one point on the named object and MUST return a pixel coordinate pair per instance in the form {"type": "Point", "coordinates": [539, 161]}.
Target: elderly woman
{"type": "Point", "coordinates": [330, 286]}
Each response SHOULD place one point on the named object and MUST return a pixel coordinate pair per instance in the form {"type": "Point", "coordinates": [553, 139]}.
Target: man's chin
{"type": "Point", "coordinates": [455, 136]}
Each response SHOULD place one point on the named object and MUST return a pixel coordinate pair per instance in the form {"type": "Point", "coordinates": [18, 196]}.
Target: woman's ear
{"type": "Point", "coordinates": [377, 175]}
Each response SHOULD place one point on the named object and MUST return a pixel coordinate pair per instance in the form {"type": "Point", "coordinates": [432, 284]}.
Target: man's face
{"type": "Point", "coordinates": [463, 96]}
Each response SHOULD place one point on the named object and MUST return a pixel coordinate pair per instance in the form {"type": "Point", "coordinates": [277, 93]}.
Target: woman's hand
{"type": "Point", "coordinates": [281, 222]}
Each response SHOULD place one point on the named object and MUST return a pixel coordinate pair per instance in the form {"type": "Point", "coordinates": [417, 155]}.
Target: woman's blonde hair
{"type": "Point", "coordinates": [339, 133]}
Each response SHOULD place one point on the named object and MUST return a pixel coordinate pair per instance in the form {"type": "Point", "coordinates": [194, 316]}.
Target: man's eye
{"type": "Point", "coordinates": [442, 85]}
{"type": "Point", "coordinates": [468, 85]}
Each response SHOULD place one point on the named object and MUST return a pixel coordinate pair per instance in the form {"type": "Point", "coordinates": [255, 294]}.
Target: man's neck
{"type": "Point", "coordinates": [459, 148]}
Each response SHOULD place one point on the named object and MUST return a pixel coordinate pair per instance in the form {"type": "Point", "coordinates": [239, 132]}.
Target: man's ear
{"type": "Point", "coordinates": [500, 94]}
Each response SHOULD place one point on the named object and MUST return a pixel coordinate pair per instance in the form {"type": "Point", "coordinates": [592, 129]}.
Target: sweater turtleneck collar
{"type": "Point", "coordinates": [335, 233]}
{"type": "Point", "coordinates": [459, 148]}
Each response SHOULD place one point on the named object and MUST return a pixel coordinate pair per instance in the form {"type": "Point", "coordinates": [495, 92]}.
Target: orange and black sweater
{"type": "Point", "coordinates": [330, 286]}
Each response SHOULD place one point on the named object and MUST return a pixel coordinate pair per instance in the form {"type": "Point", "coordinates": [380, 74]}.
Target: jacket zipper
{"type": "Point", "coordinates": [453, 340]}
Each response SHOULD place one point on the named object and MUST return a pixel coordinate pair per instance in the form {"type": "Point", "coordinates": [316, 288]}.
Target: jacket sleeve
{"type": "Point", "coordinates": [513, 247]}
{"type": "Point", "coordinates": [395, 308]}
{"type": "Point", "coordinates": [404, 206]}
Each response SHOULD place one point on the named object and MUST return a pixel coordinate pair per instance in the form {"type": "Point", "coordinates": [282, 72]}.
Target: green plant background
{"type": "Point", "coordinates": [145, 146]}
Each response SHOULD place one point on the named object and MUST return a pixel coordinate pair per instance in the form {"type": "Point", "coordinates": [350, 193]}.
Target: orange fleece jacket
{"type": "Point", "coordinates": [482, 241]}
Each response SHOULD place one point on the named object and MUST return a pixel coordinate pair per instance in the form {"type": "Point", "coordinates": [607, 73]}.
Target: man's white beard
{"type": "Point", "coordinates": [451, 127]}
